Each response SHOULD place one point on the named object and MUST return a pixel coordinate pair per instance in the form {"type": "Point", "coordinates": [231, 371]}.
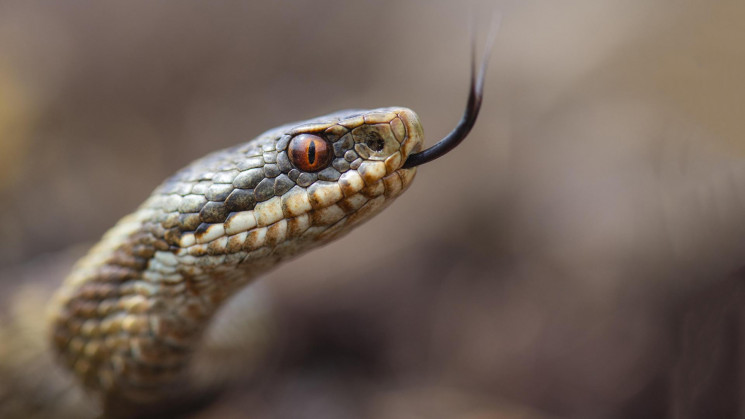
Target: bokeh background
{"type": "Point", "coordinates": [578, 256]}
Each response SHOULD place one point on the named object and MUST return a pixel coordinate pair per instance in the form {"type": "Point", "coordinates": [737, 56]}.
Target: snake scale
{"type": "Point", "coordinates": [128, 320]}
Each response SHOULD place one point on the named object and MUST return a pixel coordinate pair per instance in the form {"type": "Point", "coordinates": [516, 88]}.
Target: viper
{"type": "Point", "coordinates": [128, 322]}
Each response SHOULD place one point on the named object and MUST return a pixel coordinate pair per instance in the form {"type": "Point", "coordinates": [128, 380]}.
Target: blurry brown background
{"type": "Point", "coordinates": [576, 257]}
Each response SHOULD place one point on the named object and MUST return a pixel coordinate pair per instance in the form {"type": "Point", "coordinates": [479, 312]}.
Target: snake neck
{"type": "Point", "coordinates": [132, 313]}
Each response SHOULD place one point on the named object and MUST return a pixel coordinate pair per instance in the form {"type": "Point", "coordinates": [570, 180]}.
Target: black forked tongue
{"type": "Point", "coordinates": [473, 106]}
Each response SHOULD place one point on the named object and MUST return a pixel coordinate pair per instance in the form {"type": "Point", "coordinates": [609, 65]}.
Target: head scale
{"type": "Point", "coordinates": [294, 187]}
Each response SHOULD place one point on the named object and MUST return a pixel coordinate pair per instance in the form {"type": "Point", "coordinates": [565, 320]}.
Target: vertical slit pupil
{"type": "Point", "coordinates": [312, 152]}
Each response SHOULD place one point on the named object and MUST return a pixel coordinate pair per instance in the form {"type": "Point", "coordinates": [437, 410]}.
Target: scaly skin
{"type": "Point", "coordinates": [129, 319]}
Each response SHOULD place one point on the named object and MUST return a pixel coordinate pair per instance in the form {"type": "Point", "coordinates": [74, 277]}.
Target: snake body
{"type": "Point", "coordinates": [130, 317]}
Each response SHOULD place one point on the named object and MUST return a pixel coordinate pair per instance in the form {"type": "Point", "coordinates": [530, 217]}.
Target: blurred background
{"type": "Point", "coordinates": [577, 256]}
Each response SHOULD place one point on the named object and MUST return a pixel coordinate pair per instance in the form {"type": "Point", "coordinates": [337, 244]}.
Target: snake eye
{"type": "Point", "coordinates": [309, 153]}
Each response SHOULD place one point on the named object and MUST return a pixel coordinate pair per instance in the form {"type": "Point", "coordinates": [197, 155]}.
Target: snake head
{"type": "Point", "coordinates": [348, 165]}
{"type": "Point", "coordinates": [302, 184]}
{"type": "Point", "coordinates": [293, 187]}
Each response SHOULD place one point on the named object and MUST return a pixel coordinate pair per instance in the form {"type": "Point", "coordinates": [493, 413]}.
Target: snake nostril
{"type": "Point", "coordinates": [374, 141]}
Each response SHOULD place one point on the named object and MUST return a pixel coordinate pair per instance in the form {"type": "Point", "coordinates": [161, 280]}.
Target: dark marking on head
{"type": "Point", "coordinates": [214, 212]}
{"type": "Point", "coordinates": [241, 200]}
{"type": "Point", "coordinates": [189, 222]}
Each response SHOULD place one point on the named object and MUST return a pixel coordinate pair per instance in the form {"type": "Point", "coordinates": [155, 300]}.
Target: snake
{"type": "Point", "coordinates": [127, 322]}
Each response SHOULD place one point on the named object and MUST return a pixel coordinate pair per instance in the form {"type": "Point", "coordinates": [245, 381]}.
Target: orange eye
{"type": "Point", "coordinates": [309, 153]}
